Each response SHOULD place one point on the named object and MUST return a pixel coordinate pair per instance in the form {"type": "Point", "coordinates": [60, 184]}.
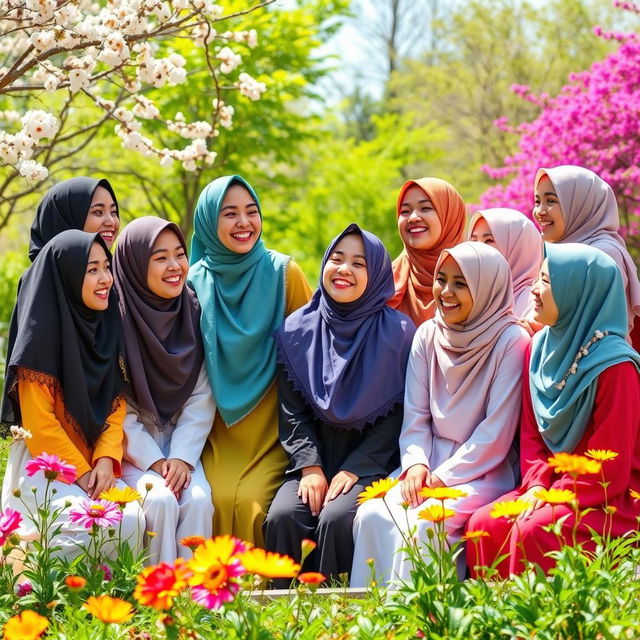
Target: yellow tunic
{"type": "Point", "coordinates": [245, 464]}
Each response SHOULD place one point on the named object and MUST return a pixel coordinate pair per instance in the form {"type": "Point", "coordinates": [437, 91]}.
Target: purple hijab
{"type": "Point", "coordinates": [349, 360]}
{"type": "Point", "coordinates": [162, 336]}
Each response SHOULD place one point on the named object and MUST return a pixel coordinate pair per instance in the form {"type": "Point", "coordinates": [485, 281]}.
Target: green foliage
{"type": "Point", "coordinates": [339, 180]}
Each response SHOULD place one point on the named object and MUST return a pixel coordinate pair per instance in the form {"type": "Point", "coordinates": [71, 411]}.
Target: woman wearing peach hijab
{"type": "Point", "coordinates": [574, 204]}
{"type": "Point", "coordinates": [431, 217]}
{"type": "Point", "coordinates": [518, 240]}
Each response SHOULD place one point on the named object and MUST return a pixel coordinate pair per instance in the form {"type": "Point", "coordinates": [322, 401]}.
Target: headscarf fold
{"type": "Point", "coordinates": [463, 352]}
{"type": "Point", "coordinates": [349, 359]}
{"type": "Point", "coordinates": [69, 346]}
{"type": "Point", "coordinates": [587, 288]}
{"type": "Point", "coordinates": [65, 206]}
{"type": "Point", "coordinates": [162, 336]}
{"type": "Point", "coordinates": [243, 298]}
{"type": "Point", "coordinates": [413, 269]}
{"type": "Point", "coordinates": [590, 213]}
{"type": "Point", "coordinates": [518, 240]}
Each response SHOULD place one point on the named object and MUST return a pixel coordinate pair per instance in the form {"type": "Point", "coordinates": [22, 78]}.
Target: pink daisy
{"type": "Point", "coordinates": [53, 467]}
{"type": "Point", "coordinates": [102, 513]}
{"type": "Point", "coordinates": [9, 522]}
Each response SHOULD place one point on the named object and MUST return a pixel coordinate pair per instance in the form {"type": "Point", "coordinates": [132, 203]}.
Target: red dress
{"type": "Point", "coordinates": [614, 425]}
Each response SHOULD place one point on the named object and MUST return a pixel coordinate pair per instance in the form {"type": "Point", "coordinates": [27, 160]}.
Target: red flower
{"type": "Point", "coordinates": [311, 577]}
{"type": "Point", "coordinates": [75, 582]}
{"type": "Point", "coordinates": [159, 585]}
{"type": "Point", "coordinates": [53, 468]}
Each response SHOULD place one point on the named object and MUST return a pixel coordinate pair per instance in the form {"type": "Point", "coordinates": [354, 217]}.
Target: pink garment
{"type": "Point", "coordinates": [462, 364]}
{"type": "Point", "coordinates": [590, 213]}
{"type": "Point", "coordinates": [520, 242]}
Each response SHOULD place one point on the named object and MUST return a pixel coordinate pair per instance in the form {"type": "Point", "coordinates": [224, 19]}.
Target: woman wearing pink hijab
{"type": "Point", "coordinates": [461, 409]}
{"type": "Point", "coordinates": [573, 204]}
{"type": "Point", "coordinates": [518, 240]}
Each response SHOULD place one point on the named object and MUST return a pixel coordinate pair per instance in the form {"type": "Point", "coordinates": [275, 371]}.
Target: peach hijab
{"type": "Point", "coordinates": [518, 240]}
{"type": "Point", "coordinates": [413, 269]}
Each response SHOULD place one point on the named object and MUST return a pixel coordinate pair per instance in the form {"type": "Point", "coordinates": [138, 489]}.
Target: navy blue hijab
{"type": "Point", "coordinates": [349, 360]}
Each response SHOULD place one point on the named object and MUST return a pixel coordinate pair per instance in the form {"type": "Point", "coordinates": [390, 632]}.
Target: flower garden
{"type": "Point", "coordinates": [222, 591]}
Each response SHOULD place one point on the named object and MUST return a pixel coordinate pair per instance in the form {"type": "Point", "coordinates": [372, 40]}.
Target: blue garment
{"type": "Point", "coordinates": [588, 290]}
{"type": "Point", "coordinates": [243, 298]}
{"type": "Point", "coordinates": [349, 360]}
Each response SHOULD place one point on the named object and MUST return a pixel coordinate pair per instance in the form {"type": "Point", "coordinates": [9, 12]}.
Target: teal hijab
{"type": "Point", "coordinates": [242, 296]}
{"type": "Point", "coordinates": [589, 337]}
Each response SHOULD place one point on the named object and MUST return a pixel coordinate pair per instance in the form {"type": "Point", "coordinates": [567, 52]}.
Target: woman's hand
{"type": "Point", "coordinates": [341, 483]}
{"type": "Point", "coordinates": [313, 488]}
{"type": "Point", "coordinates": [100, 477]}
{"type": "Point", "coordinates": [415, 478]}
{"type": "Point", "coordinates": [177, 475]}
{"type": "Point", "coordinates": [535, 503]}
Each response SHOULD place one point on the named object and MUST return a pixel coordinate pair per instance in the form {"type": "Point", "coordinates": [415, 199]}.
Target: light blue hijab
{"type": "Point", "coordinates": [587, 288]}
{"type": "Point", "coordinates": [242, 296]}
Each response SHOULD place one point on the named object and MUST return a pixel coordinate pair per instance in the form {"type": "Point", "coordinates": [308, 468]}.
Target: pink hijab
{"type": "Point", "coordinates": [464, 361]}
{"type": "Point", "coordinates": [590, 213]}
{"type": "Point", "coordinates": [518, 240]}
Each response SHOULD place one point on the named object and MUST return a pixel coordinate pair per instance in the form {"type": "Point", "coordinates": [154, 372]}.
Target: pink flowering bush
{"type": "Point", "coordinates": [594, 122]}
{"type": "Point", "coordinates": [9, 522]}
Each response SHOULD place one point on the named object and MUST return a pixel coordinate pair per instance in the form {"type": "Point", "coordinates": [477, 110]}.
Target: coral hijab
{"type": "Point", "coordinates": [413, 269]}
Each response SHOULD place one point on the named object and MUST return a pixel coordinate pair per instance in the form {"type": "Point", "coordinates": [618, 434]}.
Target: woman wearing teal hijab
{"type": "Point", "coordinates": [582, 398]}
{"type": "Point", "coordinates": [245, 291]}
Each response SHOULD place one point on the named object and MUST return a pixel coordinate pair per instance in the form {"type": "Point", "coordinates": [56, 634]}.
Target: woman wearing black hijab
{"type": "Point", "coordinates": [64, 382]}
{"type": "Point", "coordinates": [88, 204]}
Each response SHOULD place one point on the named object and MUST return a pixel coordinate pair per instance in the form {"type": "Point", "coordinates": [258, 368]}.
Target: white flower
{"type": "Point", "coordinates": [585, 351]}
{"type": "Point", "coordinates": [33, 171]}
{"type": "Point", "coordinates": [250, 87]}
{"type": "Point", "coordinates": [180, 4]}
{"type": "Point", "coordinates": [115, 50]}
{"type": "Point", "coordinates": [166, 160]}
{"type": "Point", "coordinates": [177, 75]}
{"type": "Point", "coordinates": [39, 124]}
{"type": "Point", "coordinates": [252, 38]}
{"type": "Point", "coordinates": [20, 433]}
{"type": "Point", "coordinates": [145, 108]}
{"type": "Point", "coordinates": [574, 367]}
{"type": "Point", "coordinates": [177, 60]}
{"type": "Point", "coordinates": [229, 60]}
{"type": "Point", "coordinates": [8, 152]}
{"type": "Point", "coordinates": [599, 334]}
{"type": "Point", "coordinates": [78, 79]}
{"type": "Point", "coordinates": [43, 40]}
{"type": "Point", "coordinates": [23, 144]}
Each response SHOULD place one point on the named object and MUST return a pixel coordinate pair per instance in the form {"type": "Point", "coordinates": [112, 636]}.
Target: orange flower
{"type": "Point", "coordinates": [311, 577]}
{"type": "Point", "coordinates": [75, 582]}
{"type": "Point", "coordinates": [158, 585]}
{"type": "Point", "coordinates": [476, 535]}
{"type": "Point", "coordinates": [573, 464]}
{"type": "Point", "coordinates": [109, 610]}
{"type": "Point", "coordinates": [306, 547]}
{"type": "Point", "coordinates": [28, 625]}
{"type": "Point", "coordinates": [555, 496]}
{"type": "Point", "coordinates": [121, 496]}
{"type": "Point", "coordinates": [601, 455]}
{"type": "Point", "coordinates": [192, 542]}
{"type": "Point", "coordinates": [436, 513]}
{"type": "Point", "coordinates": [378, 489]}
{"type": "Point", "coordinates": [634, 494]}
{"type": "Point", "coordinates": [510, 509]}
{"type": "Point", "coordinates": [442, 493]}
{"type": "Point", "coordinates": [268, 564]}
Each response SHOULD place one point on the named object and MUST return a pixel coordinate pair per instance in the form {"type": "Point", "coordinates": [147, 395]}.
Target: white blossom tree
{"type": "Point", "coordinates": [62, 55]}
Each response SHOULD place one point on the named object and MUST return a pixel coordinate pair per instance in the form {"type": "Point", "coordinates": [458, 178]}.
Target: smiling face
{"type": "Point", "coordinates": [451, 293]}
{"type": "Point", "coordinates": [97, 279]}
{"type": "Point", "coordinates": [547, 211]}
{"type": "Point", "coordinates": [545, 310]}
{"type": "Point", "coordinates": [482, 233]}
{"type": "Point", "coordinates": [418, 222]}
{"type": "Point", "coordinates": [168, 266]}
{"type": "Point", "coordinates": [239, 221]}
{"type": "Point", "coordinates": [102, 216]}
{"type": "Point", "coordinates": [345, 275]}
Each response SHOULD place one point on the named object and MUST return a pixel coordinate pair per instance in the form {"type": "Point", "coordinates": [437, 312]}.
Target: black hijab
{"type": "Point", "coordinates": [61, 342]}
{"type": "Point", "coordinates": [65, 206]}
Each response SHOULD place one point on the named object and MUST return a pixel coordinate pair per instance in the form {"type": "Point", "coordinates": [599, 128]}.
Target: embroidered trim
{"type": "Point", "coordinates": [582, 351]}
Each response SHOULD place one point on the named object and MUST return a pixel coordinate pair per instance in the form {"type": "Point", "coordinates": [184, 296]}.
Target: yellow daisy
{"type": "Point", "coordinates": [378, 489]}
{"type": "Point", "coordinates": [510, 509]}
{"type": "Point", "coordinates": [555, 496]}
{"type": "Point", "coordinates": [442, 493]}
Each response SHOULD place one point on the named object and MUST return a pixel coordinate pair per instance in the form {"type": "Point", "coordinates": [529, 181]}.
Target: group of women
{"type": "Point", "coordinates": [239, 403]}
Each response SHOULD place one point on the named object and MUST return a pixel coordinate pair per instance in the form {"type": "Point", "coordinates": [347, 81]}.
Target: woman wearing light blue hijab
{"type": "Point", "coordinates": [583, 396]}
{"type": "Point", "coordinates": [245, 291]}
